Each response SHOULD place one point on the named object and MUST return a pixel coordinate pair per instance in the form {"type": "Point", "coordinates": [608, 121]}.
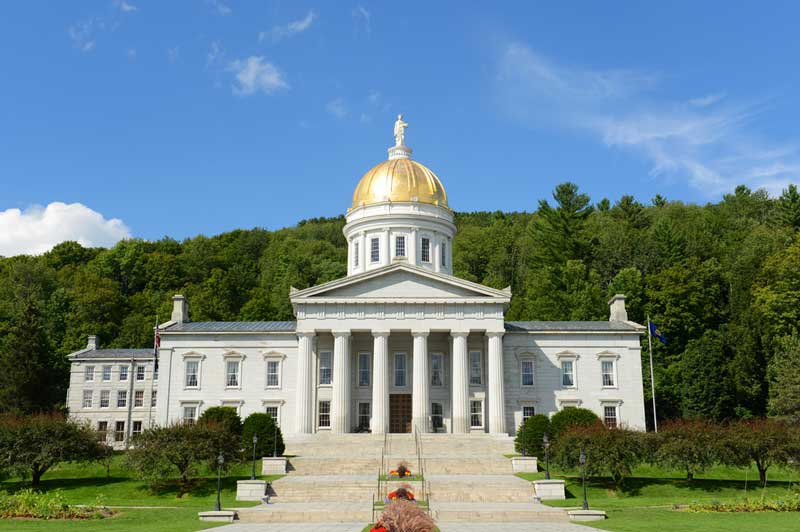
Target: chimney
{"type": "Point", "coordinates": [92, 343]}
{"type": "Point", "coordinates": [618, 312]}
{"type": "Point", "coordinates": [180, 309]}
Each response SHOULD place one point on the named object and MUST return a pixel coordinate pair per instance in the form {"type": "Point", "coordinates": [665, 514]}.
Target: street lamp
{"type": "Point", "coordinates": [582, 460]}
{"type": "Point", "coordinates": [275, 441]}
{"type": "Point", "coordinates": [546, 445]}
{"type": "Point", "coordinates": [220, 461]}
{"type": "Point", "coordinates": [253, 472]}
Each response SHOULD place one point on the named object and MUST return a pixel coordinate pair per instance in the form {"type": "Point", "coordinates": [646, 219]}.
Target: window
{"type": "Point", "coordinates": [527, 372]}
{"type": "Point", "coordinates": [363, 416]}
{"type": "Point", "coordinates": [106, 373]}
{"type": "Point", "coordinates": [325, 367]}
{"type": "Point", "coordinates": [140, 373]}
{"type": "Point", "coordinates": [567, 373]}
{"type": "Point", "coordinates": [138, 398]}
{"type": "Point", "coordinates": [137, 428]}
{"type": "Point", "coordinates": [232, 374]}
{"type": "Point", "coordinates": [105, 398]}
{"type": "Point", "coordinates": [607, 367]}
{"type": "Point", "coordinates": [363, 369]}
{"type": "Point", "coordinates": [272, 411]}
{"type": "Point", "coordinates": [273, 373]}
{"type": "Point", "coordinates": [476, 414]}
{"type": "Point", "coordinates": [119, 431]}
{"type": "Point", "coordinates": [122, 398]}
{"type": "Point", "coordinates": [324, 414]}
{"type": "Point", "coordinates": [123, 373]}
{"type": "Point", "coordinates": [610, 416]}
{"type": "Point", "coordinates": [443, 247]}
{"type": "Point", "coordinates": [355, 253]}
{"type": "Point", "coordinates": [437, 416]}
{"type": "Point", "coordinates": [153, 398]}
{"type": "Point", "coordinates": [425, 250]}
{"type": "Point", "coordinates": [192, 370]}
{"type": "Point", "coordinates": [475, 369]}
{"type": "Point", "coordinates": [527, 411]}
{"type": "Point", "coordinates": [189, 414]}
{"type": "Point", "coordinates": [399, 246]}
{"type": "Point", "coordinates": [437, 368]}
{"type": "Point", "coordinates": [102, 430]}
{"type": "Point", "coordinates": [87, 398]}
{"type": "Point", "coordinates": [400, 369]}
{"type": "Point", "coordinates": [88, 374]}
{"type": "Point", "coordinates": [375, 250]}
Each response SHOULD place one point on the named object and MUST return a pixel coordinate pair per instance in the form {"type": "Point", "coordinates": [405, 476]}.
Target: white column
{"type": "Point", "coordinates": [340, 406]}
{"type": "Point", "coordinates": [380, 381]}
{"type": "Point", "coordinates": [497, 418]}
{"type": "Point", "coordinates": [420, 403]}
{"type": "Point", "coordinates": [437, 253]}
{"type": "Point", "coordinates": [412, 248]}
{"type": "Point", "coordinates": [363, 253]}
{"type": "Point", "coordinates": [305, 378]}
{"type": "Point", "coordinates": [386, 254]}
{"type": "Point", "coordinates": [460, 382]}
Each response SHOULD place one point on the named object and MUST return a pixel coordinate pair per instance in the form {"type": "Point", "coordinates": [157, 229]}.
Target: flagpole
{"type": "Point", "coordinates": [652, 376]}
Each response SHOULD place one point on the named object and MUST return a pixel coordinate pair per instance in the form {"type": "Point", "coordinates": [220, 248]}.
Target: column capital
{"type": "Point", "coordinates": [495, 334]}
{"type": "Point", "coordinates": [307, 334]}
{"type": "Point", "coordinates": [378, 334]}
{"type": "Point", "coordinates": [458, 334]}
{"type": "Point", "coordinates": [421, 333]}
{"type": "Point", "coordinates": [344, 333]}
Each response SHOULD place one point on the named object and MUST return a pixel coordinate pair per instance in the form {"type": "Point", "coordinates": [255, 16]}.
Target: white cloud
{"type": "Point", "coordinates": [173, 54]}
{"type": "Point", "coordinates": [82, 34]}
{"type": "Point", "coordinates": [221, 7]}
{"type": "Point", "coordinates": [254, 74]}
{"type": "Point", "coordinates": [362, 17]}
{"type": "Point", "coordinates": [336, 108]}
{"type": "Point", "coordinates": [706, 141]}
{"type": "Point", "coordinates": [37, 229]}
{"type": "Point", "coordinates": [298, 26]}
{"type": "Point", "coordinates": [215, 53]}
{"type": "Point", "coordinates": [126, 7]}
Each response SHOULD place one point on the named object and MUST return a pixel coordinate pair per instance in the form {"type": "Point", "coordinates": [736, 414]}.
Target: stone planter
{"type": "Point", "coordinates": [273, 466]}
{"type": "Point", "coordinates": [525, 464]}
{"type": "Point", "coordinates": [586, 515]}
{"type": "Point", "coordinates": [251, 490]}
{"type": "Point", "coordinates": [549, 490]}
{"type": "Point", "coordinates": [223, 516]}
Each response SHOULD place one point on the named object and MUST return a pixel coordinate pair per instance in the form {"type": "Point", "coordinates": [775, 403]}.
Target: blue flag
{"type": "Point", "coordinates": [655, 331]}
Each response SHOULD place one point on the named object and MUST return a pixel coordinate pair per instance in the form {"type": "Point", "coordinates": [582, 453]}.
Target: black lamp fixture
{"type": "Point", "coordinates": [275, 441]}
{"type": "Point", "coordinates": [220, 461]}
{"type": "Point", "coordinates": [546, 445]}
{"type": "Point", "coordinates": [253, 472]}
{"type": "Point", "coordinates": [582, 460]}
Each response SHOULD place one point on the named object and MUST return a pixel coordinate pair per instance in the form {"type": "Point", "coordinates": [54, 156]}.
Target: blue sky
{"type": "Point", "coordinates": [146, 119]}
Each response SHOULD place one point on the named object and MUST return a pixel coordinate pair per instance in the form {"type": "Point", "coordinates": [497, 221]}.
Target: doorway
{"type": "Point", "coordinates": [400, 412]}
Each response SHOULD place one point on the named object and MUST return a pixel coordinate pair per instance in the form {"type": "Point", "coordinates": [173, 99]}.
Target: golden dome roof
{"type": "Point", "coordinates": [399, 180]}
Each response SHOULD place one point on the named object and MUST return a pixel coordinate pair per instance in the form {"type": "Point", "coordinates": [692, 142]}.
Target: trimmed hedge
{"type": "Point", "coordinates": [529, 436]}
{"type": "Point", "coordinates": [264, 426]}
{"type": "Point", "coordinates": [569, 418]}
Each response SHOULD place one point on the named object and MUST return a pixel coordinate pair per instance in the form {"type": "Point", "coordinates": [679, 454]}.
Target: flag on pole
{"type": "Point", "coordinates": [156, 343]}
{"type": "Point", "coordinates": [656, 333]}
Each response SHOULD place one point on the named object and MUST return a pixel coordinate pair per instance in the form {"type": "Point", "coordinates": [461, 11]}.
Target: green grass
{"type": "Point", "coordinates": [88, 484]}
{"type": "Point", "coordinates": [390, 478]}
{"type": "Point", "coordinates": [665, 520]}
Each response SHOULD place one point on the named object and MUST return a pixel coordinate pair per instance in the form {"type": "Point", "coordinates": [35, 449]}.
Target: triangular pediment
{"type": "Point", "coordinates": [400, 281]}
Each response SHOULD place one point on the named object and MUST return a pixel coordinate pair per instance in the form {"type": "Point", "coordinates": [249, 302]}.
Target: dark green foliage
{"type": "Point", "coordinates": [709, 394]}
{"type": "Point", "coordinates": [223, 417]}
{"type": "Point", "coordinates": [569, 418]}
{"type": "Point", "coordinates": [528, 441]}
{"type": "Point", "coordinates": [784, 383]}
{"type": "Point", "coordinates": [763, 442]}
{"type": "Point", "coordinates": [266, 429]}
{"type": "Point", "coordinates": [691, 446]}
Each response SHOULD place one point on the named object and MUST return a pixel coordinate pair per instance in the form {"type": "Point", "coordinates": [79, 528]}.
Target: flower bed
{"type": "Point", "coordinates": [790, 504]}
{"type": "Point", "coordinates": [35, 505]}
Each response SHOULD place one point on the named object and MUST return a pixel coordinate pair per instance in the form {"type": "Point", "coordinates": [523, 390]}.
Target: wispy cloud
{"type": "Point", "coordinates": [292, 28]}
{"type": "Point", "coordinates": [173, 54]}
{"type": "Point", "coordinates": [362, 17]}
{"type": "Point", "coordinates": [221, 7]}
{"type": "Point", "coordinates": [125, 7]}
{"type": "Point", "coordinates": [256, 75]}
{"type": "Point", "coordinates": [337, 108]}
{"type": "Point", "coordinates": [708, 141]}
{"type": "Point", "coordinates": [82, 34]}
{"type": "Point", "coordinates": [215, 53]}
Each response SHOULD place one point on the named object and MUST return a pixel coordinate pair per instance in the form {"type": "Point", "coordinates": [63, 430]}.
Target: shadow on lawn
{"type": "Point", "coordinates": [633, 486]}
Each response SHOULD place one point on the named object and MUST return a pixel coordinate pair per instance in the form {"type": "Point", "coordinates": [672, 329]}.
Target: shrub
{"type": "Point", "coordinates": [765, 442]}
{"type": "Point", "coordinates": [611, 452]}
{"type": "Point", "coordinates": [571, 417]}
{"type": "Point", "coordinates": [789, 504]}
{"type": "Point", "coordinates": [265, 427]}
{"type": "Point", "coordinates": [33, 444]}
{"type": "Point", "coordinates": [688, 445]}
{"type": "Point", "coordinates": [406, 516]}
{"type": "Point", "coordinates": [51, 505]}
{"type": "Point", "coordinates": [529, 436]}
{"type": "Point", "coordinates": [223, 416]}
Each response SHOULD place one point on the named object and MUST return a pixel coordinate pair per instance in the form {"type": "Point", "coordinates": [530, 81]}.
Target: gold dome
{"type": "Point", "coordinates": [399, 180]}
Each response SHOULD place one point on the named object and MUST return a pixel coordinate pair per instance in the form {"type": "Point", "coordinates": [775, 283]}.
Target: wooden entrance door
{"type": "Point", "coordinates": [400, 412]}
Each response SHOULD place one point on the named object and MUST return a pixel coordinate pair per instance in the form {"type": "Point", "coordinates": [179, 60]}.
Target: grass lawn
{"type": "Point", "coordinates": [88, 484]}
{"type": "Point", "coordinates": [646, 500]}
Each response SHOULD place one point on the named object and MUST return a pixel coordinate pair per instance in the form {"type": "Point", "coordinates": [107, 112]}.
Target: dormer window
{"type": "Point", "coordinates": [399, 246]}
{"type": "Point", "coordinates": [355, 254]}
{"type": "Point", "coordinates": [375, 250]}
{"type": "Point", "coordinates": [425, 250]}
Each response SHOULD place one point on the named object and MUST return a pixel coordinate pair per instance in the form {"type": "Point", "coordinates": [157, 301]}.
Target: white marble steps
{"type": "Point", "coordinates": [495, 512]}
{"type": "Point", "coordinates": [479, 489]}
{"type": "Point", "coordinates": [305, 488]}
{"type": "Point", "coordinates": [333, 465]}
{"type": "Point", "coordinates": [308, 512]}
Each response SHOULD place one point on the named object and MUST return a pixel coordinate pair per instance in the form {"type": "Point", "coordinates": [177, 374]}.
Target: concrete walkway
{"type": "Point", "coordinates": [443, 527]}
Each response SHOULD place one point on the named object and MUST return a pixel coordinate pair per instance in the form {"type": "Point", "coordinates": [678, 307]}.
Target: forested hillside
{"type": "Point", "coordinates": [721, 280]}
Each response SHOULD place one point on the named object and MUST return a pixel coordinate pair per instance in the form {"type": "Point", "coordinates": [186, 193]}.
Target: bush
{"type": "Point", "coordinates": [223, 416]}
{"type": "Point", "coordinates": [789, 504]}
{"type": "Point", "coordinates": [688, 445]}
{"type": "Point", "coordinates": [765, 442]}
{"type": "Point", "coordinates": [571, 417]}
{"type": "Point", "coordinates": [265, 427]}
{"type": "Point", "coordinates": [609, 452]}
{"type": "Point", "coordinates": [529, 436]}
{"type": "Point", "coordinates": [51, 505]}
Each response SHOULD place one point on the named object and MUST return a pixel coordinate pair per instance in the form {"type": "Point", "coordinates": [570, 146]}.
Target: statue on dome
{"type": "Point", "coordinates": [400, 131]}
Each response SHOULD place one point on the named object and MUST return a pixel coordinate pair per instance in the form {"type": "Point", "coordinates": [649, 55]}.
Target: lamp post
{"type": "Point", "coordinates": [546, 445]}
{"type": "Point", "coordinates": [253, 472]}
{"type": "Point", "coordinates": [275, 441]}
{"type": "Point", "coordinates": [582, 460]}
{"type": "Point", "coordinates": [220, 461]}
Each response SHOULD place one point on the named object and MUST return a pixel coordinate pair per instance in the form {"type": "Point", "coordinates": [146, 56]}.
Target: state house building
{"type": "Point", "coordinates": [398, 343]}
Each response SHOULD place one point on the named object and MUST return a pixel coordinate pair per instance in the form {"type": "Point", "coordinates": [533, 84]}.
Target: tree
{"type": "Point", "coordinates": [708, 391]}
{"type": "Point", "coordinates": [777, 292]}
{"type": "Point", "coordinates": [223, 417]}
{"type": "Point", "coordinates": [765, 442]}
{"type": "Point", "coordinates": [688, 445]}
{"type": "Point", "coordinates": [559, 232]}
{"type": "Point", "coordinates": [569, 418]}
{"type": "Point", "coordinates": [35, 443]}
{"type": "Point", "coordinates": [263, 426]}
{"type": "Point", "coordinates": [789, 207]}
{"type": "Point", "coordinates": [784, 379]}
{"type": "Point", "coordinates": [528, 441]}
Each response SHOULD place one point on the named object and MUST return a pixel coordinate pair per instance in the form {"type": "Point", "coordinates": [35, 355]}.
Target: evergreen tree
{"type": "Point", "coordinates": [784, 384]}
{"type": "Point", "coordinates": [559, 232]}
{"type": "Point", "coordinates": [707, 391]}
{"type": "Point", "coordinates": [789, 207]}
